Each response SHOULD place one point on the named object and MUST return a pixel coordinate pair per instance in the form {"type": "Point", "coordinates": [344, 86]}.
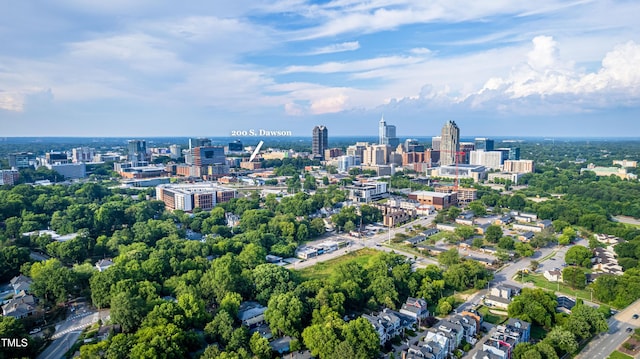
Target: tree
{"type": "Point", "coordinates": [220, 328]}
{"type": "Point", "coordinates": [506, 243]}
{"type": "Point", "coordinates": [575, 277]}
{"type": "Point", "coordinates": [562, 339]}
{"type": "Point", "coordinates": [444, 307]}
{"type": "Point", "coordinates": [578, 255]}
{"type": "Point", "coordinates": [477, 242]}
{"type": "Point", "coordinates": [349, 226]}
{"type": "Point", "coordinates": [360, 336]}
{"type": "Point", "coordinates": [478, 208]}
{"type": "Point", "coordinates": [128, 311]}
{"type": "Point", "coordinates": [449, 257]}
{"type": "Point", "coordinates": [493, 233]}
{"type": "Point", "coordinates": [586, 321]}
{"type": "Point", "coordinates": [524, 249]}
{"type": "Point", "coordinates": [517, 202]}
{"type": "Point", "coordinates": [52, 281]}
{"type": "Point", "coordinates": [225, 275]}
{"type": "Point", "coordinates": [284, 314]}
{"type": "Point", "coordinates": [465, 232]}
{"type": "Point", "coordinates": [252, 255]}
{"type": "Point", "coordinates": [535, 306]}
{"type": "Point", "coordinates": [534, 265]}
{"type": "Point", "coordinates": [271, 279]}
{"type": "Point", "coordinates": [260, 346]}
{"type": "Point", "coordinates": [370, 214]}
{"type": "Point", "coordinates": [163, 341]}
{"type": "Point", "coordinates": [231, 303]}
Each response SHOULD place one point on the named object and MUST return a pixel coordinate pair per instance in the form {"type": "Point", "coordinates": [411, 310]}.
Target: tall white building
{"type": "Point", "coordinates": [489, 159]}
{"type": "Point", "coordinates": [83, 154]}
{"type": "Point", "coordinates": [387, 134]}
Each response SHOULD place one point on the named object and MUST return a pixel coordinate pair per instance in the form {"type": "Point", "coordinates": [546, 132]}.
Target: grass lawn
{"type": "Point", "coordinates": [490, 317]}
{"type": "Point", "coordinates": [323, 269]}
{"type": "Point", "coordinates": [540, 281]}
{"type": "Point", "coordinates": [618, 355]}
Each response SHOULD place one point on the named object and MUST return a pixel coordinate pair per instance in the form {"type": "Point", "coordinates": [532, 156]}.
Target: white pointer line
{"type": "Point", "coordinates": [255, 152]}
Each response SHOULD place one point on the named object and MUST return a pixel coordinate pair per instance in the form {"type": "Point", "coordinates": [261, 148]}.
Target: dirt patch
{"type": "Point", "coordinates": [631, 346]}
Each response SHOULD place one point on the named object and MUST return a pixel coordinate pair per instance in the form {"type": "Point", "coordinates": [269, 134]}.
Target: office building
{"type": "Point", "coordinates": [376, 155]}
{"type": "Point", "coordinates": [489, 159]}
{"type": "Point", "coordinates": [199, 142]}
{"type": "Point", "coordinates": [625, 163]}
{"type": "Point", "coordinates": [514, 153]}
{"type": "Point", "coordinates": [69, 170]}
{"type": "Point", "coordinates": [175, 151]}
{"type": "Point", "coordinates": [357, 150]}
{"type": "Point", "coordinates": [9, 177]}
{"type": "Point", "coordinates": [365, 192]}
{"type": "Point", "coordinates": [485, 144]}
{"type": "Point", "coordinates": [436, 199]}
{"type": "Point", "coordinates": [207, 155]}
{"type": "Point", "coordinates": [475, 172]}
{"type": "Point", "coordinates": [235, 146]}
{"type": "Point", "coordinates": [21, 160]}
{"type": "Point", "coordinates": [346, 162]}
{"type": "Point", "coordinates": [520, 166]}
{"type": "Point", "coordinates": [435, 143]}
{"type": "Point", "coordinates": [83, 154]}
{"type": "Point", "coordinates": [137, 151]}
{"type": "Point", "coordinates": [55, 158]}
{"type": "Point", "coordinates": [450, 143]}
{"type": "Point", "coordinates": [387, 134]}
{"type": "Point", "coordinates": [319, 141]}
{"type": "Point", "coordinates": [465, 150]}
{"type": "Point", "coordinates": [187, 197]}
{"type": "Point", "coordinates": [332, 153]}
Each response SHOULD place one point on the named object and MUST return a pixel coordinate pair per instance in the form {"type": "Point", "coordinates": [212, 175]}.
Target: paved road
{"type": "Point", "coordinates": [60, 346]}
{"type": "Point", "coordinates": [606, 343]}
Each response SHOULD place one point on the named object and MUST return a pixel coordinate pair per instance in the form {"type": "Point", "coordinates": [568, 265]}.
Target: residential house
{"type": "Point", "coordinates": [426, 350]}
{"type": "Point", "coordinates": [446, 227]}
{"type": "Point", "coordinates": [430, 232]}
{"type": "Point", "coordinates": [501, 295]}
{"type": "Point", "coordinates": [103, 264]}
{"type": "Point", "coordinates": [469, 326]}
{"type": "Point", "coordinates": [553, 275]}
{"type": "Point", "coordinates": [526, 236]}
{"type": "Point", "coordinates": [506, 337]}
{"type": "Point", "coordinates": [545, 223]}
{"type": "Point", "coordinates": [251, 314]}
{"type": "Point", "coordinates": [416, 308]}
{"type": "Point", "coordinates": [604, 260]}
{"type": "Point", "coordinates": [389, 323]}
{"type": "Point", "coordinates": [20, 283]}
{"type": "Point", "coordinates": [527, 227]}
{"type": "Point", "coordinates": [524, 217]}
{"type": "Point", "coordinates": [481, 229]}
{"type": "Point", "coordinates": [503, 220]}
{"type": "Point", "coordinates": [608, 239]}
{"type": "Point", "coordinates": [20, 306]}
{"type": "Point", "coordinates": [414, 240]}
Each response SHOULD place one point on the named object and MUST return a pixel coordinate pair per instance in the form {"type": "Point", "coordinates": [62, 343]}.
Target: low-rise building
{"type": "Point", "coordinates": [506, 337]}
{"type": "Point", "coordinates": [553, 275]}
{"type": "Point", "coordinates": [501, 295]}
{"type": "Point", "coordinates": [103, 264]}
{"type": "Point", "coordinates": [365, 192]}
{"type": "Point", "coordinates": [251, 314]}
{"type": "Point", "coordinates": [20, 283]}
{"type": "Point", "coordinates": [187, 197]}
{"type": "Point", "coordinates": [20, 306]}
{"type": "Point", "coordinates": [604, 260]}
{"type": "Point", "coordinates": [439, 200]}
{"type": "Point", "coordinates": [416, 308]}
{"type": "Point", "coordinates": [389, 323]}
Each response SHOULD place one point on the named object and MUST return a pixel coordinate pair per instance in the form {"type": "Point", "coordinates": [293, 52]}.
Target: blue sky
{"type": "Point", "coordinates": [163, 68]}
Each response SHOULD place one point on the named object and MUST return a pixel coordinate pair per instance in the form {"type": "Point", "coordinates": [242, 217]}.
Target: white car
{"type": "Point", "coordinates": [35, 330]}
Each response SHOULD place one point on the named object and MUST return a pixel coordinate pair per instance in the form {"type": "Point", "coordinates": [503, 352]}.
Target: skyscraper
{"type": "Point", "coordinates": [137, 151]}
{"type": "Point", "coordinates": [435, 143]}
{"type": "Point", "coordinates": [319, 141]}
{"type": "Point", "coordinates": [387, 134]}
{"type": "Point", "coordinates": [485, 144]}
{"type": "Point", "coordinates": [450, 143]}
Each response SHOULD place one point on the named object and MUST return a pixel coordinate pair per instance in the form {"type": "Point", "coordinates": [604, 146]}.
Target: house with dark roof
{"type": "Point", "coordinates": [414, 240]}
{"type": "Point", "coordinates": [251, 314]}
{"type": "Point", "coordinates": [416, 308]}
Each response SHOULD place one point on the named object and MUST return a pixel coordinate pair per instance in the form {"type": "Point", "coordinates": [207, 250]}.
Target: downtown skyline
{"type": "Point", "coordinates": [551, 68]}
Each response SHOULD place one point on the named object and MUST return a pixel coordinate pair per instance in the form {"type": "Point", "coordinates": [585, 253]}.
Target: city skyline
{"type": "Point", "coordinates": [151, 69]}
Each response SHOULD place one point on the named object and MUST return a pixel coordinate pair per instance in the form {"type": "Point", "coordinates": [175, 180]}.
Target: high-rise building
{"type": "Point", "coordinates": [357, 150]}
{"type": "Point", "coordinates": [484, 144]}
{"type": "Point", "coordinates": [199, 142]}
{"type": "Point", "coordinates": [450, 143]}
{"type": "Point", "coordinates": [83, 154]}
{"type": "Point", "coordinates": [235, 146]}
{"type": "Point", "coordinates": [387, 134]}
{"type": "Point", "coordinates": [490, 159]}
{"type": "Point", "coordinates": [435, 143]}
{"type": "Point", "coordinates": [175, 151]}
{"type": "Point", "coordinates": [514, 153]}
{"type": "Point", "coordinates": [319, 141]}
{"type": "Point", "coordinates": [208, 155]}
{"type": "Point", "coordinates": [9, 177]}
{"type": "Point", "coordinates": [411, 145]}
{"type": "Point", "coordinates": [518, 166]}
{"type": "Point", "coordinates": [137, 151]}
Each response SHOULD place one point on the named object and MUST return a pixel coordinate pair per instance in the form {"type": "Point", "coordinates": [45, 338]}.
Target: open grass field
{"type": "Point", "coordinates": [618, 355]}
{"type": "Point", "coordinates": [323, 269]}
{"type": "Point", "coordinates": [541, 282]}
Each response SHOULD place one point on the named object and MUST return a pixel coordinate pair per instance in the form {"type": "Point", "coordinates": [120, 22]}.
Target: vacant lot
{"type": "Point", "coordinates": [324, 269]}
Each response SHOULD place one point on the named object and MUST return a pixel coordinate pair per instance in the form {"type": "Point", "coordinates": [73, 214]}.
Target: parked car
{"type": "Point", "coordinates": [635, 316]}
{"type": "Point", "coordinates": [629, 330]}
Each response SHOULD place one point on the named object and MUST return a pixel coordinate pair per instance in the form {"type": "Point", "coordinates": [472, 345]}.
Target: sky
{"type": "Point", "coordinates": [207, 68]}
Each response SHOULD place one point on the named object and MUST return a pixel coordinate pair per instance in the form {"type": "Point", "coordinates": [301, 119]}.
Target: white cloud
{"type": "Point", "coordinates": [329, 104]}
{"type": "Point", "coordinates": [342, 47]}
{"type": "Point", "coordinates": [421, 51]}
{"type": "Point", "coordinates": [354, 66]}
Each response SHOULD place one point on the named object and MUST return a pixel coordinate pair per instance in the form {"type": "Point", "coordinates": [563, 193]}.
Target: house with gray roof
{"type": "Point", "coordinates": [20, 306]}
{"type": "Point", "coordinates": [20, 283]}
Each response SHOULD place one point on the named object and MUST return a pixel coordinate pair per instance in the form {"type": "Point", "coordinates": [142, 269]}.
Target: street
{"type": "Point", "coordinates": [67, 332]}
{"type": "Point", "coordinates": [60, 346]}
{"type": "Point", "coordinates": [604, 344]}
